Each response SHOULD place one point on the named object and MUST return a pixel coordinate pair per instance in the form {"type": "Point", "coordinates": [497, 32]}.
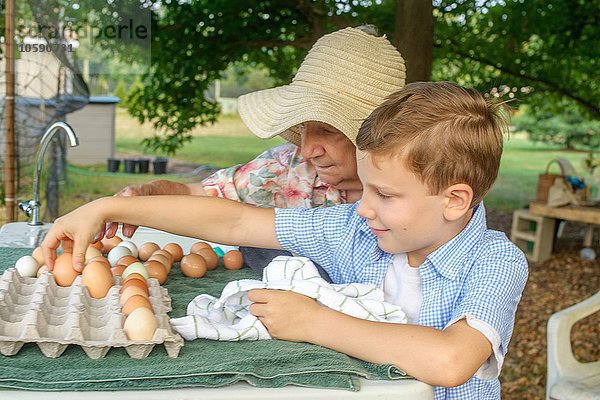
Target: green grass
{"type": "Point", "coordinates": [521, 164]}
{"type": "Point", "coordinates": [220, 151]}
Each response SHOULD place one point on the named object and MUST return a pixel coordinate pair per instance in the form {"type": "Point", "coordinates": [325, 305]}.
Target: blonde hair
{"type": "Point", "coordinates": [447, 134]}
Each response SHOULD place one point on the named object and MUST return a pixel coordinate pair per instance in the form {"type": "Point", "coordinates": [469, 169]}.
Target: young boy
{"type": "Point", "coordinates": [426, 158]}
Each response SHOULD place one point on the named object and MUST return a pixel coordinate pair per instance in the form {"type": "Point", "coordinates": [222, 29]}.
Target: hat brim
{"type": "Point", "coordinates": [279, 111]}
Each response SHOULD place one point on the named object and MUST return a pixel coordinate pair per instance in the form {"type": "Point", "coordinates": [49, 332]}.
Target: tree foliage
{"type": "Point", "coordinates": [568, 129]}
{"type": "Point", "coordinates": [194, 42]}
{"type": "Point", "coordinates": [550, 46]}
{"type": "Point", "coordinates": [541, 52]}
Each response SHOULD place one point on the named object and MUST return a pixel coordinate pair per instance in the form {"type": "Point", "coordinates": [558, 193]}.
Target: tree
{"type": "Point", "coordinates": [550, 47]}
{"type": "Point", "coordinates": [568, 129]}
{"type": "Point", "coordinates": [121, 92]}
{"type": "Point", "coordinates": [414, 37]}
{"type": "Point", "coordinates": [543, 51]}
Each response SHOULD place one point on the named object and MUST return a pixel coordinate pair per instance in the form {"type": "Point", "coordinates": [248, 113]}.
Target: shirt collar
{"type": "Point", "coordinates": [448, 260]}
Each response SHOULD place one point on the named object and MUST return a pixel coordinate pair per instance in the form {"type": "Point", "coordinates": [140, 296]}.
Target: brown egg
{"type": "Point", "coordinates": [127, 260]}
{"type": "Point", "coordinates": [212, 259]}
{"type": "Point", "coordinates": [109, 244]}
{"type": "Point", "coordinates": [136, 301]}
{"type": "Point", "coordinates": [164, 257]}
{"type": "Point", "coordinates": [161, 258]}
{"type": "Point", "coordinates": [233, 260]}
{"type": "Point", "coordinates": [135, 275]}
{"type": "Point", "coordinates": [38, 255]}
{"type": "Point", "coordinates": [175, 250]}
{"type": "Point", "coordinates": [118, 270]}
{"type": "Point", "coordinates": [146, 250]}
{"type": "Point", "coordinates": [199, 246]}
{"type": "Point", "coordinates": [97, 279]}
{"type": "Point", "coordinates": [140, 324]}
{"type": "Point", "coordinates": [157, 271]}
{"type": "Point", "coordinates": [101, 259]}
{"type": "Point", "coordinates": [63, 271]}
{"type": "Point", "coordinates": [135, 282]}
{"type": "Point", "coordinates": [92, 252]}
{"type": "Point", "coordinates": [165, 253]}
{"type": "Point", "coordinates": [193, 266]}
{"type": "Point", "coordinates": [130, 291]}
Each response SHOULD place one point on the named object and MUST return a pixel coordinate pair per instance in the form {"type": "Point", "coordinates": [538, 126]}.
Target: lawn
{"type": "Point", "coordinates": [521, 164]}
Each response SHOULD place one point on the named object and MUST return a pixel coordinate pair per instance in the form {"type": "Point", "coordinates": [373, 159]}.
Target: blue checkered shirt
{"type": "Point", "coordinates": [479, 273]}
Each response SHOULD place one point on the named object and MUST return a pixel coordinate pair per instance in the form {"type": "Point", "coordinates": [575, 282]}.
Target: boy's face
{"type": "Point", "coordinates": [399, 209]}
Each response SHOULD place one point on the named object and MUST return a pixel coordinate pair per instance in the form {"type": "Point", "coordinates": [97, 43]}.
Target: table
{"type": "Point", "coordinates": [588, 215]}
{"type": "Point", "coordinates": [404, 389]}
{"type": "Point", "coordinates": [20, 233]}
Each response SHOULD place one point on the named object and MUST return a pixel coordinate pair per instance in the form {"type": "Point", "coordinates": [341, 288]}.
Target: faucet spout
{"type": "Point", "coordinates": [46, 138]}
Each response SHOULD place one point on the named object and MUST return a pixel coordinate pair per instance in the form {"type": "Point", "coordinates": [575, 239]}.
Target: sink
{"type": "Point", "coordinates": [21, 234]}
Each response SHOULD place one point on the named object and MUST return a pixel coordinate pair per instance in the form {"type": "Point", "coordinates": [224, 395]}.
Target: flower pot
{"type": "Point", "coordinates": [113, 164]}
{"type": "Point", "coordinates": [131, 166]}
{"type": "Point", "coordinates": [159, 165]}
{"type": "Point", "coordinates": [143, 165]}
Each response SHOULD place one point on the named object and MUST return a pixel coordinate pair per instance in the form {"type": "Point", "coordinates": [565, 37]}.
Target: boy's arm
{"type": "Point", "coordinates": [442, 358]}
{"type": "Point", "coordinates": [214, 219]}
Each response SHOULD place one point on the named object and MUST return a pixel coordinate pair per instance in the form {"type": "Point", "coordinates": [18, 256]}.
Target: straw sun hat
{"type": "Point", "coordinates": [345, 75]}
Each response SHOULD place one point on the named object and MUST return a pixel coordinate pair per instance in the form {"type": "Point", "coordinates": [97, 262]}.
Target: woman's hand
{"type": "Point", "coordinates": [131, 190]}
{"type": "Point", "coordinates": [75, 230]}
{"type": "Point", "coordinates": [153, 188]}
{"type": "Point", "coordinates": [286, 315]}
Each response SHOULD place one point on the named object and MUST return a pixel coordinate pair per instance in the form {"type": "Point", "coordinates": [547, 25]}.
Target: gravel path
{"type": "Point", "coordinates": [561, 281]}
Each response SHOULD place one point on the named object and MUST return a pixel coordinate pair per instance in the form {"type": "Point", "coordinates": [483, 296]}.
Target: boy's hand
{"type": "Point", "coordinates": [75, 230]}
{"type": "Point", "coordinates": [286, 315]}
{"type": "Point", "coordinates": [131, 190]}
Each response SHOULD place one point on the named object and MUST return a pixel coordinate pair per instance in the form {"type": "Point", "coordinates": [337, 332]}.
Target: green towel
{"type": "Point", "coordinates": [201, 363]}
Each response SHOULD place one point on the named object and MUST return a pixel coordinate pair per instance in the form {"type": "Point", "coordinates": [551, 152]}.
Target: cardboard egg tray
{"type": "Point", "coordinates": [38, 310]}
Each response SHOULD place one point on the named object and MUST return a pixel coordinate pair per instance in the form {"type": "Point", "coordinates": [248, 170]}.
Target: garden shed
{"type": "Point", "coordinates": [94, 124]}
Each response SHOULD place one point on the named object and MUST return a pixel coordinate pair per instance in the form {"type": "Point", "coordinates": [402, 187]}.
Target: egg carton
{"type": "Point", "coordinates": [37, 310]}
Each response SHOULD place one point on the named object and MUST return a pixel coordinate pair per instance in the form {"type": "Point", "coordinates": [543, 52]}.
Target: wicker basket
{"type": "Point", "coordinates": [546, 180]}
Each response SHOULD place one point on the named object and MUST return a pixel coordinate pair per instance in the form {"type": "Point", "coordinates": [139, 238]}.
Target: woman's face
{"type": "Point", "coordinates": [332, 154]}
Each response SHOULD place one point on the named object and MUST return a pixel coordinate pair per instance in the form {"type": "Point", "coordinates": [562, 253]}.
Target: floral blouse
{"type": "Point", "coordinates": [279, 177]}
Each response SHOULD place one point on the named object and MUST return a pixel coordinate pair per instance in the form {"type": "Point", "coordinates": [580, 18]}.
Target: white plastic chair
{"type": "Point", "coordinates": [567, 377]}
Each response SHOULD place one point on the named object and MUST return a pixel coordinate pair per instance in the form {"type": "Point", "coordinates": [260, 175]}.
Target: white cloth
{"type": "Point", "coordinates": [228, 317]}
{"type": "Point", "coordinates": [403, 287]}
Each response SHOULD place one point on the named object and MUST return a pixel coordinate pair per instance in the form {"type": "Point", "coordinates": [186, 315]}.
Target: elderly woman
{"type": "Point", "coordinates": [345, 75]}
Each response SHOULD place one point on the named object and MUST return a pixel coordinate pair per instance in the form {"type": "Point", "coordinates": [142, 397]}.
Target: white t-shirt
{"type": "Point", "coordinates": [402, 286]}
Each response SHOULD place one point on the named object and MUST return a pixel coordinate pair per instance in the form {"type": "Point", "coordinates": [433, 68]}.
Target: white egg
{"type": "Point", "coordinates": [131, 246]}
{"type": "Point", "coordinates": [137, 267]}
{"type": "Point", "coordinates": [140, 324]}
{"type": "Point", "coordinates": [27, 266]}
{"type": "Point", "coordinates": [116, 253]}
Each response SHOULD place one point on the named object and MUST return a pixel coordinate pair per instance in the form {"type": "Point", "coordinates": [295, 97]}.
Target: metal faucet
{"type": "Point", "coordinates": [32, 207]}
